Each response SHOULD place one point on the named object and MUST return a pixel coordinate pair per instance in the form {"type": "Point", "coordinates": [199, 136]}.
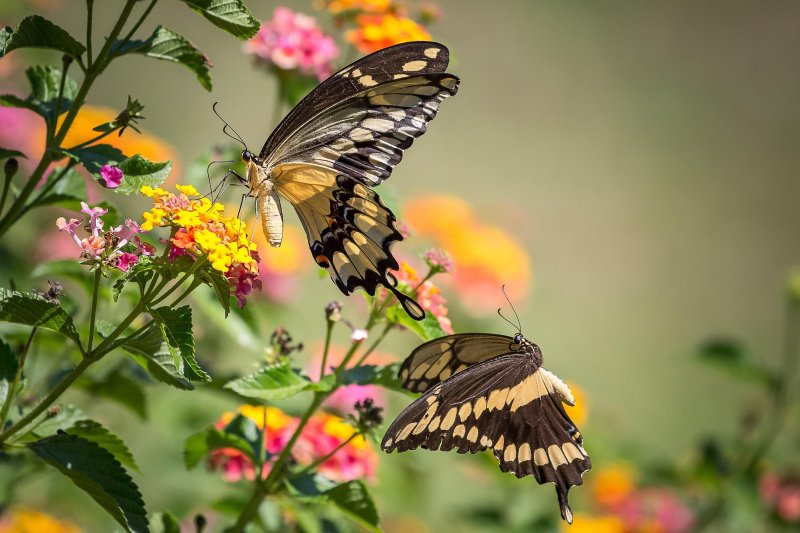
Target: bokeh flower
{"type": "Point", "coordinates": [486, 256]}
{"type": "Point", "coordinates": [322, 435]}
{"type": "Point", "coordinates": [201, 230]}
{"type": "Point", "coordinates": [427, 294]}
{"type": "Point", "coordinates": [343, 400]}
{"type": "Point", "coordinates": [19, 130]}
{"type": "Point", "coordinates": [578, 412]}
{"type": "Point", "coordinates": [294, 41]}
{"type": "Point", "coordinates": [375, 32]}
{"type": "Point", "coordinates": [781, 495]}
{"type": "Point", "coordinates": [584, 523]}
{"type": "Point", "coordinates": [282, 267]}
{"type": "Point", "coordinates": [613, 484]}
{"type": "Point", "coordinates": [368, 6]}
{"type": "Point", "coordinates": [27, 520]}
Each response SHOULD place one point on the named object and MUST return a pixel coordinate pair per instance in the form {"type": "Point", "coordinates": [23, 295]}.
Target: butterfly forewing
{"type": "Point", "coordinates": [439, 359]}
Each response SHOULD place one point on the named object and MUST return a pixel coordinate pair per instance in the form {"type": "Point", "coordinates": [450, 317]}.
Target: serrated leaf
{"type": "Point", "coordinates": [44, 81]}
{"type": "Point", "coordinates": [95, 432]}
{"type": "Point", "coordinates": [426, 329]}
{"type": "Point", "coordinates": [168, 45]}
{"type": "Point", "coordinates": [731, 357]}
{"type": "Point", "coordinates": [95, 156]}
{"type": "Point", "coordinates": [5, 36]}
{"type": "Point", "coordinates": [138, 172]}
{"type": "Point", "coordinates": [5, 153]}
{"type": "Point", "coordinates": [270, 383]}
{"type": "Point", "coordinates": [95, 470]}
{"type": "Point", "coordinates": [151, 351]}
{"type": "Point", "coordinates": [176, 327]}
{"type": "Point", "coordinates": [200, 445]}
{"type": "Point", "coordinates": [229, 15]}
{"type": "Point", "coordinates": [222, 287]}
{"type": "Point", "coordinates": [117, 386]}
{"type": "Point", "coordinates": [32, 310]}
{"type": "Point", "coordinates": [9, 365]}
{"type": "Point", "coordinates": [38, 32]}
{"type": "Point", "coordinates": [352, 497]}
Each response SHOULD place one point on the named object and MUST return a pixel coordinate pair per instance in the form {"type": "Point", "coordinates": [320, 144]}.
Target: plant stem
{"type": "Point", "coordinates": [12, 390]}
{"type": "Point", "coordinates": [89, 17]}
{"type": "Point", "coordinates": [51, 126]}
{"type": "Point", "coordinates": [6, 188]}
{"type": "Point", "coordinates": [375, 344]}
{"type": "Point", "coordinates": [93, 140]}
{"type": "Point", "coordinates": [51, 182]}
{"type": "Point", "coordinates": [93, 314]}
{"type": "Point", "coordinates": [141, 20]}
{"type": "Point", "coordinates": [250, 509]}
{"type": "Point", "coordinates": [197, 264]}
{"type": "Point", "coordinates": [48, 400]}
{"type": "Point", "coordinates": [324, 458]}
{"type": "Point", "coordinates": [327, 348]}
{"type": "Point", "coordinates": [108, 343]}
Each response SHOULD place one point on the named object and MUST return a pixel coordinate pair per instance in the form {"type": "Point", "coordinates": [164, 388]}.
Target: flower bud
{"type": "Point", "coordinates": [333, 311]}
{"type": "Point", "coordinates": [369, 414]}
{"type": "Point", "coordinates": [11, 167]}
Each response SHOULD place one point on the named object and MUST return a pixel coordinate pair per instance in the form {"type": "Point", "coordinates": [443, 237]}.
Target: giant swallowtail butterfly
{"type": "Point", "coordinates": [341, 140]}
{"type": "Point", "coordinates": [490, 392]}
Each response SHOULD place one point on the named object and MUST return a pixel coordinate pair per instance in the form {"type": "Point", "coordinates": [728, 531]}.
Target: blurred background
{"type": "Point", "coordinates": [638, 164]}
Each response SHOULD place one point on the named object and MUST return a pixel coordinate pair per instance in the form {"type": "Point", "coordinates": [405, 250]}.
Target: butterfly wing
{"type": "Point", "coordinates": [349, 229]}
{"type": "Point", "coordinates": [438, 359]}
{"type": "Point", "coordinates": [505, 404]}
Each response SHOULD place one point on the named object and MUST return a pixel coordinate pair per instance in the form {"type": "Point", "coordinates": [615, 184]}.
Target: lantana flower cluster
{"type": "Point", "coordinates": [294, 41]}
{"type": "Point", "coordinates": [200, 229]}
{"type": "Point", "coordinates": [118, 247]}
{"type": "Point", "coordinates": [781, 495]}
{"type": "Point", "coordinates": [322, 435]}
{"type": "Point", "coordinates": [426, 293]}
{"type": "Point", "coordinates": [375, 32]}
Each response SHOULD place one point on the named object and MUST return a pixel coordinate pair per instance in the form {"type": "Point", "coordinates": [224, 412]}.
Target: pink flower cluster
{"type": "Point", "coordinates": [428, 295]}
{"type": "Point", "coordinates": [108, 246]}
{"type": "Point", "coordinates": [294, 41]}
{"type": "Point", "coordinates": [782, 496]}
{"type": "Point", "coordinates": [655, 507]}
{"type": "Point", "coordinates": [322, 435]}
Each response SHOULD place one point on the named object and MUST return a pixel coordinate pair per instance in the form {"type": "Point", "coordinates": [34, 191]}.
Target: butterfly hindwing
{"type": "Point", "coordinates": [349, 229]}
{"type": "Point", "coordinates": [439, 359]}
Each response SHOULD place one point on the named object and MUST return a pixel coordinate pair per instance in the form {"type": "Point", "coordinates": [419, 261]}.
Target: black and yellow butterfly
{"type": "Point", "coordinates": [345, 137]}
{"type": "Point", "coordinates": [490, 392]}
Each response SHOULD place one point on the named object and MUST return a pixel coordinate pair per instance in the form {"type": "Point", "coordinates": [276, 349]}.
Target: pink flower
{"type": "Point", "coordinates": [294, 41]}
{"type": "Point", "coordinates": [126, 260]}
{"type": "Point", "coordinates": [69, 227]}
{"type": "Point", "coordinates": [95, 222]}
{"type": "Point", "coordinates": [243, 281]}
{"type": "Point", "coordinates": [93, 245]}
{"type": "Point", "coordinates": [343, 400]}
{"type": "Point", "coordinates": [439, 261]}
{"type": "Point", "coordinates": [782, 495]}
{"type": "Point", "coordinates": [359, 335]}
{"type": "Point", "coordinates": [112, 176]}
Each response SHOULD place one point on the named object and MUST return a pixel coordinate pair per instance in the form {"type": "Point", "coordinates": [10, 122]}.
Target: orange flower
{"type": "Point", "coordinates": [578, 412]}
{"type": "Point", "coordinates": [26, 520]}
{"type": "Point", "coordinates": [486, 256]}
{"type": "Point", "coordinates": [281, 267]}
{"type": "Point", "coordinates": [369, 6]}
{"type": "Point", "coordinates": [613, 484]}
{"type": "Point", "coordinates": [375, 32]}
{"type": "Point", "coordinates": [583, 523]}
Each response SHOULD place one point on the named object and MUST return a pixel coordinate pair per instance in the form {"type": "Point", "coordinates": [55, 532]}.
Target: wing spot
{"type": "Point", "coordinates": [406, 431]}
{"type": "Point", "coordinates": [444, 374]}
{"type": "Point", "coordinates": [367, 81]}
{"type": "Point", "coordinates": [434, 425]}
{"type": "Point", "coordinates": [400, 76]}
{"type": "Point", "coordinates": [480, 406]}
{"type": "Point", "coordinates": [497, 399]}
{"type": "Point", "coordinates": [500, 443]}
{"type": "Point", "coordinates": [540, 457]}
{"type": "Point", "coordinates": [378, 124]}
{"type": "Point", "coordinates": [449, 419]}
{"type": "Point", "coordinates": [556, 455]}
{"type": "Point", "coordinates": [472, 436]}
{"type": "Point", "coordinates": [356, 73]}
{"type": "Point", "coordinates": [432, 52]}
{"type": "Point", "coordinates": [524, 453]}
{"type": "Point", "coordinates": [510, 453]}
{"type": "Point", "coordinates": [414, 66]}
{"type": "Point", "coordinates": [464, 411]}
{"type": "Point", "coordinates": [422, 386]}
{"type": "Point", "coordinates": [460, 430]}
{"type": "Point", "coordinates": [404, 372]}
{"type": "Point", "coordinates": [571, 452]}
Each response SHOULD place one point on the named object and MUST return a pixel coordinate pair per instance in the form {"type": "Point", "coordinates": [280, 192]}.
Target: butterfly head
{"type": "Point", "coordinates": [518, 338]}
{"type": "Point", "coordinates": [248, 156]}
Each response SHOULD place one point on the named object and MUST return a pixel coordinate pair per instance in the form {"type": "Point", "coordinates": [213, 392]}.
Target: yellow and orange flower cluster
{"type": "Point", "coordinates": [486, 256]}
{"type": "Point", "coordinates": [428, 295]}
{"type": "Point", "coordinates": [368, 6]}
{"type": "Point", "coordinates": [374, 32]}
{"type": "Point", "coordinates": [26, 520]}
{"type": "Point", "coordinates": [323, 434]}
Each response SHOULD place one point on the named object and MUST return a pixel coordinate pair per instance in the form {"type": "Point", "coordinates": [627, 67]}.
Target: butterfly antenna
{"type": "Point", "coordinates": [227, 126]}
{"type": "Point", "coordinates": [519, 323]}
{"type": "Point", "coordinates": [504, 318]}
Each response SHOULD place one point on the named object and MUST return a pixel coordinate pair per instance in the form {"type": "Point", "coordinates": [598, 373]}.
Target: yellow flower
{"type": "Point", "coordinates": [583, 523]}
{"type": "Point", "coordinates": [612, 484]}
{"type": "Point", "coordinates": [220, 259]}
{"type": "Point", "coordinates": [188, 190]}
{"type": "Point", "coordinates": [153, 193]}
{"type": "Point", "coordinates": [276, 419]}
{"type": "Point", "coordinates": [207, 240]}
{"type": "Point", "coordinates": [339, 429]}
{"type": "Point", "coordinates": [377, 31]}
{"type": "Point", "coordinates": [153, 218]}
{"type": "Point", "coordinates": [26, 520]}
{"type": "Point", "coordinates": [372, 6]}
{"type": "Point", "coordinates": [578, 412]}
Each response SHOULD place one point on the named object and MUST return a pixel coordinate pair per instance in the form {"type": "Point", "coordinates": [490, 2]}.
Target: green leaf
{"type": "Point", "coordinates": [9, 365]}
{"type": "Point", "coordinates": [385, 376]}
{"type": "Point", "coordinates": [139, 172]}
{"type": "Point", "coordinates": [164, 522]}
{"type": "Point", "coordinates": [270, 383]}
{"type": "Point", "coordinates": [44, 81]}
{"type": "Point", "coordinates": [352, 497]}
{"type": "Point", "coordinates": [731, 357]}
{"type": "Point", "coordinates": [200, 445]}
{"type": "Point", "coordinates": [151, 351]}
{"type": "Point", "coordinates": [95, 470]}
{"type": "Point", "coordinates": [426, 329]}
{"type": "Point", "coordinates": [93, 431]}
{"type": "Point", "coordinates": [32, 310]}
{"type": "Point", "coordinates": [95, 156]}
{"type": "Point", "coordinates": [52, 421]}
{"type": "Point", "coordinates": [38, 32]}
{"type": "Point", "coordinates": [5, 153]}
{"type": "Point", "coordinates": [168, 45]}
{"type": "Point", "coordinates": [5, 36]}
{"type": "Point", "coordinates": [221, 286]}
{"type": "Point", "coordinates": [355, 500]}
{"type": "Point", "coordinates": [70, 188]}
{"type": "Point", "coordinates": [229, 15]}
{"type": "Point", "coordinates": [176, 327]}
{"type": "Point", "coordinates": [118, 387]}
{"type": "Point", "coordinates": [325, 384]}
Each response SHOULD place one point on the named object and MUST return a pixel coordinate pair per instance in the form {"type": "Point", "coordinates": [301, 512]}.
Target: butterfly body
{"type": "Point", "coordinates": [342, 139]}
{"type": "Point", "coordinates": [490, 392]}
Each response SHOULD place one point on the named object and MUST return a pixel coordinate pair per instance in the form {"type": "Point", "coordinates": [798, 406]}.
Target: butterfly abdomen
{"type": "Point", "coordinates": [269, 207]}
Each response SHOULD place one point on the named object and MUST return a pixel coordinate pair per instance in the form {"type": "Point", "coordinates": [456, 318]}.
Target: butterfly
{"type": "Point", "coordinates": [490, 392]}
{"type": "Point", "coordinates": [342, 139]}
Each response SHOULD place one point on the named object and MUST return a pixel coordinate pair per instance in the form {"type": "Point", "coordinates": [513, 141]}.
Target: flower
{"type": "Point", "coordinates": [487, 256]}
{"type": "Point", "coordinates": [613, 484]}
{"type": "Point", "coordinates": [323, 434]}
{"type": "Point", "coordinates": [294, 41]}
{"type": "Point", "coordinates": [27, 520]}
{"type": "Point", "coordinates": [111, 175]}
{"type": "Point", "coordinates": [439, 261]}
{"type": "Point", "coordinates": [375, 32]}
{"type": "Point", "coordinates": [201, 230]}
{"type": "Point", "coordinates": [428, 295]}
{"type": "Point", "coordinates": [282, 267]}
{"type": "Point", "coordinates": [359, 335]}
{"type": "Point", "coordinates": [343, 400]}
{"type": "Point", "coordinates": [781, 494]}
{"type": "Point", "coordinates": [118, 247]}
{"type": "Point", "coordinates": [578, 412]}
{"type": "Point", "coordinates": [369, 6]}
{"type": "Point", "coordinates": [583, 523]}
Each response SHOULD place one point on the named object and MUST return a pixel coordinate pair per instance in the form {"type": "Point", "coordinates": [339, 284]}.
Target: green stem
{"type": "Point", "coordinates": [6, 188]}
{"type": "Point", "coordinates": [51, 183]}
{"type": "Point", "coordinates": [108, 343]}
{"type": "Point", "coordinates": [249, 510]}
{"type": "Point", "coordinates": [197, 264]}
{"type": "Point", "coordinates": [89, 17]}
{"type": "Point", "coordinates": [327, 348]}
{"type": "Point", "coordinates": [140, 21]}
{"type": "Point", "coordinates": [375, 344]}
{"type": "Point", "coordinates": [51, 126]}
{"type": "Point", "coordinates": [93, 140]}
{"type": "Point", "coordinates": [48, 400]}
{"type": "Point", "coordinates": [93, 314]}
{"type": "Point", "coordinates": [12, 390]}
